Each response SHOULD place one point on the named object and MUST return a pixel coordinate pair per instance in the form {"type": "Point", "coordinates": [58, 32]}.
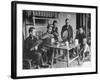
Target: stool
{"type": "Point", "coordinates": [29, 62]}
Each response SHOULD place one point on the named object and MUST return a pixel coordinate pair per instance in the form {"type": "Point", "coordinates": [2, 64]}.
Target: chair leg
{"type": "Point", "coordinates": [30, 63]}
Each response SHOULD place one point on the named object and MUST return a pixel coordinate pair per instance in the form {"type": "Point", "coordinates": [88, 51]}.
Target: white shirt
{"type": "Point", "coordinates": [86, 48]}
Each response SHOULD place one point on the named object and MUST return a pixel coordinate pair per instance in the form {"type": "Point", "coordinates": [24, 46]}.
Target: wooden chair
{"type": "Point", "coordinates": [29, 62]}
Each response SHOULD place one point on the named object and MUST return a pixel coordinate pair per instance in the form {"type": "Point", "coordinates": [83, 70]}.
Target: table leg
{"type": "Point", "coordinates": [58, 52]}
{"type": "Point", "coordinates": [78, 57]}
{"type": "Point", "coordinates": [52, 58]}
{"type": "Point", "coordinates": [67, 56]}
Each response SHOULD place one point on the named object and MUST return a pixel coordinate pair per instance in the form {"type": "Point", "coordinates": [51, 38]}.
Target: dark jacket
{"type": "Point", "coordinates": [55, 33]}
{"type": "Point", "coordinates": [70, 32]}
{"type": "Point", "coordinates": [28, 44]}
{"type": "Point", "coordinates": [47, 38]}
{"type": "Point", "coordinates": [80, 37]}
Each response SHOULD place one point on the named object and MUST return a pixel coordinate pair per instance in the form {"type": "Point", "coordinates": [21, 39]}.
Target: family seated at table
{"type": "Point", "coordinates": [41, 55]}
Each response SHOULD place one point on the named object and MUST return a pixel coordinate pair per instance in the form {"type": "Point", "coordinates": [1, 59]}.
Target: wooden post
{"type": "Point", "coordinates": [33, 20]}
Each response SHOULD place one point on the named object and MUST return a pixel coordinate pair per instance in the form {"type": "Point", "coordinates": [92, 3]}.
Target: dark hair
{"type": "Point", "coordinates": [49, 25]}
{"type": "Point", "coordinates": [66, 19]}
{"type": "Point", "coordinates": [30, 29]}
{"type": "Point", "coordinates": [81, 27]}
{"type": "Point", "coordinates": [54, 22]}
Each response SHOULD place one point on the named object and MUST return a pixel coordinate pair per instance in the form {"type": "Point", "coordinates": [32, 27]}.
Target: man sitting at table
{"type": "Point", "coordinates": [46, 37]}
{"type": "Point", "coordinates": [31, 48]}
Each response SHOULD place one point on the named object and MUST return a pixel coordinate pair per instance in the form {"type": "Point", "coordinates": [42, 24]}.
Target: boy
{"type": "Point", "coordinates": [85, 49]}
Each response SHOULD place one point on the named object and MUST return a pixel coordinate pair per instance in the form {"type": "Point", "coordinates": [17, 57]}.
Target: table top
{"type": "Point", "coordinates": [71, 46]}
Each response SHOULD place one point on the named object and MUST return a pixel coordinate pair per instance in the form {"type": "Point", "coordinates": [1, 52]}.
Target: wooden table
{"type": "Point", "coordinates": [68, 60]}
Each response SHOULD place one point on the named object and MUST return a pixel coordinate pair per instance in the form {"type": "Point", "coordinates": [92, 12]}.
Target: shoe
{"type": "Point", "coordinates": [54, 61]}
{"type": "Point", "coordinates": [37, 67]}
{"type": "Point", "coordinates": [44, 66]}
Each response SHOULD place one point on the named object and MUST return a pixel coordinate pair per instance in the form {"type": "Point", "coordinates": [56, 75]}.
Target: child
{"type": "Point", "coordinates": [85, 49]}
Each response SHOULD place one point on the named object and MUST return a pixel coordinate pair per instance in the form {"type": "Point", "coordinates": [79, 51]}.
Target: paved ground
{"type": "Point", "coordinates": [73, 64]}
{"type": "Point", "coordinates": [61, 64]}
{"type": "Point", "coordinates": [86, 63]}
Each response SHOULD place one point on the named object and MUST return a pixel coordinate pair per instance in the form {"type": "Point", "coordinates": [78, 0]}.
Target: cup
{"type": "Point", "coordinates": [58, 45]}
{"type": "Point", "coordinates": [67, 43]}
{"type": "Point", "coordinates": [52, 40]}
{"type": "Point", "coordinates": [76, 42]}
